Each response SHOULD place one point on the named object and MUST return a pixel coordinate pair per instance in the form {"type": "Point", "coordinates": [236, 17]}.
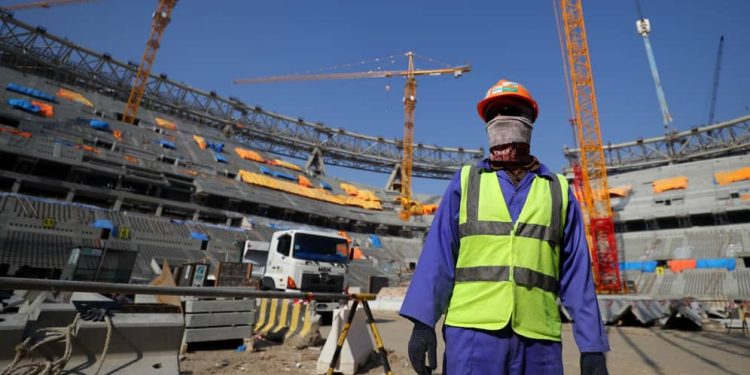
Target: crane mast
{"type": "Point", "coordinates": [715, 88]}
{"type": "Point", "coordinates": [42, 4]}
{"type": "Point", "coordinates": [593, 168]}
{"type": "Point", "coordinates": [410, 103]}
{"type": "Point", "coordinates": [162, 16]}
{"type": "Point", "coordinates": [644, 28]}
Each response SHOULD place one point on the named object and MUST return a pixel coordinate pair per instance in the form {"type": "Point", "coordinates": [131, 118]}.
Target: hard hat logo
{"type": "Point", "coordinates": [505, 87]}
{"type": "Point", "coordinates": [508, 93]}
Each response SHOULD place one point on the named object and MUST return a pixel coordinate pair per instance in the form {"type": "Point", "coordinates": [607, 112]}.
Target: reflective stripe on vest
{"type": "Point", "coordinates": [505, 271]}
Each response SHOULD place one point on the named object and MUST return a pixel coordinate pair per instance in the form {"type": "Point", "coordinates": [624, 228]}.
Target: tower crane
{"type": "Point", "coordinates": [715, 89]}
{"type": "Point", "coordinates": [42, 4]}
{"type": "Point", "coordinates": [161, 16]}
{"type": "Point", "coordinates": [591, 172]}
{"type": "Point", "coordinates": [408, 207]}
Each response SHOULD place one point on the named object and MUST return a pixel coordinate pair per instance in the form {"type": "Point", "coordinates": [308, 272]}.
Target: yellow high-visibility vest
{"type": "Point", "coordinates": [508, 272]}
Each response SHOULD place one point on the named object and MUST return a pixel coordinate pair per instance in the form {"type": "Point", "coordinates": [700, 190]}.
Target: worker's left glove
{"type": "Point", "coordinates": [593, 364]}
{"type": "Point", "coordinates": [423, 342]}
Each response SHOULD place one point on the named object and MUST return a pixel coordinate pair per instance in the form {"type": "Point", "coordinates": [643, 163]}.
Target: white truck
{"type": "Point", "coordinates": [301, 261]}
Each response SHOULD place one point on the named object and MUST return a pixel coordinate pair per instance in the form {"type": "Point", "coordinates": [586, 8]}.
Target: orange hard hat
{"type": "Point", "coordinates": [508, 92]}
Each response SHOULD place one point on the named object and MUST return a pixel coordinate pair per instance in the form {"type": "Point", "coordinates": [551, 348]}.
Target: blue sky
{"type": "Point", "coordinates": [208, 44]}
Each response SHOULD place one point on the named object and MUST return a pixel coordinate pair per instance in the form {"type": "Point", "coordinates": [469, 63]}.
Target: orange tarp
{"type": "Point", "coordinates": [131, 159]}
{"type": "Point", "coordinates": [674, 183]}
{"type": "Point", "coordinates": [74, 96]}
{"type": "Point", "coordinates": [357, 253]}
{"type": "Point", "coordinates": [343, 233]}
{"type": "Point", "coordinates": [367, 195]}
{"type": "Point", "coordinates": [16, 132]}
{"type": "Point", "coordinates": [349, 189]}
{"type": "Point", "coordinates": [117, 134]}
{"type": "Point", "coordinates": [47, 110]}
{"type": "Point", "coordinates": [200, 141]}
{"type": "Point", "coordinates": [293, 188]}
{"type": "Point", "coordinates": [288, 165]}
{"type": "Point", "coordinates": [304, 181]}
{"type": "Point", "coordinates": [88, 148]}
{"type": "Point", "coordinates": [429, 209]}
{"type": "Point", "coordinates": [728, 177]}
{"type": "Point", "coordinates": [166, 124]}
{"type": "Point", "coordinates": [248, 154]}
{"type": "Point", "coordinates": [620, 191]}
{"type": "Point", "coordinates": [678, 265]}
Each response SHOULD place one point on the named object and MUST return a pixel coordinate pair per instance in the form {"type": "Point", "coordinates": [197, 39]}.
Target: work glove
{"type": "Point", "coordinates": [423, 342]}
{"type": "Point", "coordinates": [593, 364]}
{"type": "Point", "coordinates": [96, 314]}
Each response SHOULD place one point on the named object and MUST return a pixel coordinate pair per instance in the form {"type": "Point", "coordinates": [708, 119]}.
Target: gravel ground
{"type": "Point", "coordinates": [634, 351]}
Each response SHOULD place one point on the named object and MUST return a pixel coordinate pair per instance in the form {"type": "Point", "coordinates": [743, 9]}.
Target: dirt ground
{"type": "Point", "coordinates": [634, 351]}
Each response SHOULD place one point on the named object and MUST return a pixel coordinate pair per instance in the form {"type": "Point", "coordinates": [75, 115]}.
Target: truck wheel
{"type": "Point", "coordinates": [267, 284]}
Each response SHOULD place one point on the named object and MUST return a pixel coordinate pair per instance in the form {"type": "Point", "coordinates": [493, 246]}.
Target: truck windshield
{"type": "Point", "coordinates": [320, 248]}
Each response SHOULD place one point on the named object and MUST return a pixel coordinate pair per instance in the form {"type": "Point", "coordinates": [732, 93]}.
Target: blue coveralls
{"type": "Point", "coordinates": [479, 352]}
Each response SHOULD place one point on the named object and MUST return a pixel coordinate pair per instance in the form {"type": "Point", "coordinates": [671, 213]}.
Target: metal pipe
{"type": "Point", "coordinates": [99, 287]}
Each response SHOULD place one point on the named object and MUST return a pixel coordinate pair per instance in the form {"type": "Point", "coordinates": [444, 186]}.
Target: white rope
{"type": "Point", "coordinates": [52, 367]}
{"type": "Point", "coordinates": [107, 340]}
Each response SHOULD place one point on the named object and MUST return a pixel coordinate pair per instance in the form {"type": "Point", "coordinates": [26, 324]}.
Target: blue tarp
{"type": "Point", "coordinates": [264, 170]}
{"type": "Point", "coordinates": [220, 158]}
{"type": "Point", "coordinates": [99, 124]}
{"type": "Point", "coordinates": [23, 104]}
{"type": "Point", "coordinates": [30, 92]}
{"type": "Point", "coordinates": [218, 147]}
{"type": "Point", "coordinates": [325, 186]}
{"type": "Point", "coordinates": [103, 224]}
{"type": "Point", "coordinates": [643, 266]}
{"type": "Point", "coordinates": [284, 176]}
{"type": "Point", "coordinates": [167, 144]}
{"type": "Point", "coordinates": [199, 236]}
{"type": "Point", "coordinates": [729, 263]}
{"type": "Point", "coordinates": [375, 241]}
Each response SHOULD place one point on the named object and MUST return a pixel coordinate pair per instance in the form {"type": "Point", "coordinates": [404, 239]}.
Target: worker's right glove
{"type": "Point", "coordinates": [423, 342]}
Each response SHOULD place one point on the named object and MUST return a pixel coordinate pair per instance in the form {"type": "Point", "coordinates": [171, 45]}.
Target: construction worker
{"type": "Point", "coordinates": [507, 240]}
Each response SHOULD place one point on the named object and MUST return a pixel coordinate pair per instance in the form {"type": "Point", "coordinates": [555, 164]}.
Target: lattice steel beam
{"type": "Point", "coordinates": [35, 51]}
{"type": "Point", "coordinates": [725, 138]}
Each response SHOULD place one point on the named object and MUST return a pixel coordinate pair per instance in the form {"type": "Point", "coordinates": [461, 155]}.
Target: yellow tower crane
{"type": "Point", "coordinates": [408, 207]}
{"type": "Point", "coordinates": [591, 172]}
{"type": "Point", "coordinates": [162, 16]}
{"type": "Point", "coordinates": [42, 4]}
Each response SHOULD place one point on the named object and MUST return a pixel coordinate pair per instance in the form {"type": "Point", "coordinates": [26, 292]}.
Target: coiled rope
{"type": "Point", "coordinates": [50, 335]}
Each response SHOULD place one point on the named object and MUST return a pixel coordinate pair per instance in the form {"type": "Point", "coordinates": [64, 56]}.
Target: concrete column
{"type": "Point", "coordinates": [196, 215]}
{"type": "Point", "coordinates": [228, 222]}
{"type": "Point", "coordinates": [158, 210]}
{"type": "Point", "coordinates": [70, 196]}
{"type": "Point", "coordinates": [16, 186]}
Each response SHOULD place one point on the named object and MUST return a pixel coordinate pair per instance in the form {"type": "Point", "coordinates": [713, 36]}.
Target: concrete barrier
{"type": "Point", "coordinates": [216, 320]}
{"type": "Point", "coordinates": [282, 319]}
{"type": "Point", "coordinates": [139, 343]}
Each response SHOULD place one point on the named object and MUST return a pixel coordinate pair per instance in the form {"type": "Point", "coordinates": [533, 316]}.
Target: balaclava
{"type": "Point", "coordinates": [509, 141]}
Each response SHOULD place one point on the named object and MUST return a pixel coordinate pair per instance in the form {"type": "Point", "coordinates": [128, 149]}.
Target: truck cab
{"type": "Point", "coordinates": [307, 261]}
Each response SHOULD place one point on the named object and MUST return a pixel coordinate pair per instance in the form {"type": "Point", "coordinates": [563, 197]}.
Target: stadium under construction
{"type": "Point", "coordinates": [200, 177]}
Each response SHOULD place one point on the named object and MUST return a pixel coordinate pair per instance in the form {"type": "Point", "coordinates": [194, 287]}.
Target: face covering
{"type": "Point", "coordinates": [503, 130]}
